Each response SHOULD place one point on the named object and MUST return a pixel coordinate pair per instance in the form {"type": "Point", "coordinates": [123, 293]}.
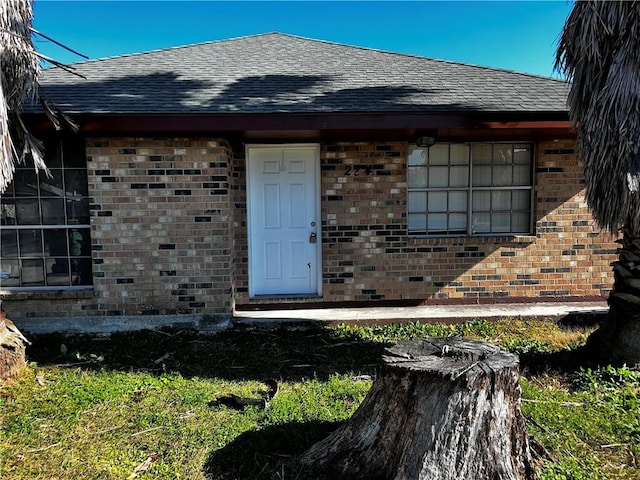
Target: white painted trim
{"type": "Point", "coordinates": [318, 183]}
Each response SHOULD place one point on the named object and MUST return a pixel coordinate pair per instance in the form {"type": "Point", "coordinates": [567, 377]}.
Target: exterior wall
{"type": "Point", "coordinates": [160, 229]}
{"type": "Point", "coordinates": [169, 234]}
{"type": "Point", "coordinates": [368, 256]}
{"type": "Point", "coordinates": [240, 235]}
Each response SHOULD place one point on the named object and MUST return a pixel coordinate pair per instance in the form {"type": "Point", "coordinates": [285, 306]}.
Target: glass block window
{"type": "Point", "coordinates": [44, 223]}
{"type": "Point", "coordinates": [470, 189]}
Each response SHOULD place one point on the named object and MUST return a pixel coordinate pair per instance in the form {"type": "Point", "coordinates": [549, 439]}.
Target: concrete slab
{"type": "Point", "coordinates": [122, 323]}
{"type": "Point", "coordinates": [433, 313]}
{"type": "Point", "coordinates": [305, 317]}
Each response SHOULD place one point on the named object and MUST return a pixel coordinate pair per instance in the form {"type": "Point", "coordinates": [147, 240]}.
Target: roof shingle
{"type": "Point", "coordinates": [279, 73]}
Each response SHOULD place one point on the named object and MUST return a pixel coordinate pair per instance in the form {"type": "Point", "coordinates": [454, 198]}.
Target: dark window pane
{"type": "Point", "coordinates": [28, 212]}
{"type": "Point", "coordinates": [437, 222]}
{"type": "Point", "coordinates": [57, 270]}
{"type": "Point", "coordinates": [51, 186]}
{"type": "Point", "coordinates": [520, 222]}
{"type": "Point", "coordinates": [75, 182]}
{"type": "Point", "coordinates": [481, 176]}
{"type": "Point", "coordinates": [55, 243]}
{"type": "Point", "coordinates": [521, 200]}
{"type": "Point", "coordinates": [55, 200]}
{"type": "Point", "coordinates": [502, 154]}
{"type": "Point", "coordinates": [502, 176]}
{"type": "Point", "coordinates": [53, 211]}
{"type": "Point", "coordinates": [481, 201]}
{"type": "Point", "coordinates": [500, 222]}
{"type": "Point", "coordinates": [9, 244]}
{"type": "Point", "coordinates": [26, 183]}
{"type": "Point", "coordinates": [30, 243]}
{"type": "Point", "coordinates": [81, 271]}
{"type": "Point", "coordinates": [481, 223]}
{"type": "Point", "coordinates": [438, 177]}
{"type": "Point", "coordinates": [501, 200]}
{"type": "Point", "coordinates": [482, 153]}
{"type": "Point", "coordinates": [439, 154]}
{"type": "Point", "coordinates": [417, 222]}
{"type": "Point", "coordinates": [417, 177]}
{"type": "Point", "coordinates": [74, 153]}
{"type": "Point", "coordinates": [522, 175]}
{"type": "Point", "coordinates": [7, 212]}
{"type": "Point", "coordinates": [79, 244]}
{"type": "Point", "coordinates": [522, 153]}
{"type": "Point", "coordinates": [437, 201]}
{"type": "Point", "coordinates": [53, 153]}
{"type": "Point", "coordinates": [78, 211]}
{"type": "Point", "coordinates": [457, 222]}
{"type": "Point", "coordinates": [9, 191]}
{"type": "Point", "coordinates": [33, 272]}
{"type": "Point", "coordinates": [10, 273]}
{"type": "Point", "coordinates": [418, 156]}
{"type": "Point", "coordinates": [417, 202]}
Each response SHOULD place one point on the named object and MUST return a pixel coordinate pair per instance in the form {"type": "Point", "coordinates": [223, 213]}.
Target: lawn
{"type": "Point", "coordinates": [145, 404]}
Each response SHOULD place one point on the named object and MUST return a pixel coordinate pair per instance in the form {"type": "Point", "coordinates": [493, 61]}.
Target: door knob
{"type": "Point", "coordinates": [313, 238]}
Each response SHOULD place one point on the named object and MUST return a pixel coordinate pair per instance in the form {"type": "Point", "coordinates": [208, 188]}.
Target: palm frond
{"type": "Point", "coordinates": [19, 68]}
{"type": "Point", "coordinates": [599, 51]}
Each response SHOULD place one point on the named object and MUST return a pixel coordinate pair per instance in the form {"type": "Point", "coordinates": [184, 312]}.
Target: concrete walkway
{"type": "Point", "coordinates": [305, 317]}
{"type": "Point", "coordinates": [431, 313]}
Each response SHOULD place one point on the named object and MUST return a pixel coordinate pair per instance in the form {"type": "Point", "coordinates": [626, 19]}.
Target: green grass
{"type": "Point", "coordinates": [96, 407]}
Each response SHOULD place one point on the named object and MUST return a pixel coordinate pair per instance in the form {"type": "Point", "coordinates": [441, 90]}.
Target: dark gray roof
{"type": "Point", "coordinates": [274, 72]}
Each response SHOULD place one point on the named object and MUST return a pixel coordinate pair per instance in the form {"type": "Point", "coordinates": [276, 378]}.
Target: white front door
{"type": "Point", "coordinates": [284, 220]}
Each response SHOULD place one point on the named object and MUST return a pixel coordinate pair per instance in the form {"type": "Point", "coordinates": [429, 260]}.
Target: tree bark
{"type": "Point", "coordinates": [12, 349]}
{"type": "Point", "coordinates": [441, 409]}
{"type": "Point", "coordinates": [617, 340]}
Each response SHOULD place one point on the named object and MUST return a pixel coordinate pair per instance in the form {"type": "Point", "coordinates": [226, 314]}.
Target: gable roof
{"type": "Point", "coordinates": [279, 73]}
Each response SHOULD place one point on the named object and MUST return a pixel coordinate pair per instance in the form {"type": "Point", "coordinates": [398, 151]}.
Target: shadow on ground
{"type": "Point", "coordinates": [272, 451]}
{"type": "Point", "coordinates": [285, 354]}
{"type": "Point", "coordinates": [564, 361]}
{"type": "Point", "coordinates": [247, 355]}
{"type": "Point", "coordinates": [269, 453]}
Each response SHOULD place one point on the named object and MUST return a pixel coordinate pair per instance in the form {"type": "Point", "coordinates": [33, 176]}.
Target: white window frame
{"type": "Point", "coordinates": [469, 189]}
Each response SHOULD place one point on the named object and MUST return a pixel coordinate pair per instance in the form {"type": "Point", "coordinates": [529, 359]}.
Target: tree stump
{"type": "Point", "coordinates": [442, 408]}
{"type": "Point", "coordinates": [12, 349]}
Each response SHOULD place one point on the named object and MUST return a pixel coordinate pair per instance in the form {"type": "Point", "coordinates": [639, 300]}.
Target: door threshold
{"type": "Point", "coordinates": [281, 302]}
{"type": "Point", "coordinates": [285, 296]}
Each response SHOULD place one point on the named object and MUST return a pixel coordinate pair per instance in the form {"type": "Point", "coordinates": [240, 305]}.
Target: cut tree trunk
{"type": "Point", "coordinates": [441, 409]}
{"type": "Point", "coordinates": [12, 349]}
{"type": "Point", "coordinates": [617, 340]}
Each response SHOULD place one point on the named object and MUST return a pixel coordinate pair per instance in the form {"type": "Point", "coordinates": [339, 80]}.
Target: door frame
{"type": "Point", "coordinates": [317, 197]}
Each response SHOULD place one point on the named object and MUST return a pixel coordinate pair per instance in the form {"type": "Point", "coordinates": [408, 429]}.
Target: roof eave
{"type": "Point", "coordinates": [124, 123]}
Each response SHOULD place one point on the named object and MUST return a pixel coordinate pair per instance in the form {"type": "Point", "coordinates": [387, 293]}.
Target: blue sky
{"type": "Point", "coordinates": [516, 35]}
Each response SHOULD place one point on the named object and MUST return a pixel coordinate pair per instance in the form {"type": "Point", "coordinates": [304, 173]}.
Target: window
{"type": "Point", "coordinates": [470, 189]}
{"type": "Point", "coordinates": [44, 223]}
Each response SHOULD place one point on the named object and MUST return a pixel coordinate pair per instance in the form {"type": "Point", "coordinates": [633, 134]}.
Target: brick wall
{"type": "Point", "coordinates": [169, 233]}
{"type": "Point", "coordinates": [240, 236]}
{"type": "Point", "coordinates": [160, 227]}
{"type": "Point", "coordinates": [367, 254]}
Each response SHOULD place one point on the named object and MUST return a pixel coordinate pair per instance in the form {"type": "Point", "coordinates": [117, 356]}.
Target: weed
{"type": "Point", "coordinates": [607, 378]}
{"type": "Point", "coordinates": [98, 415]}
{"type": "Point", "coordinates": [76, 356]}
{"type": "Point", "coordinates": [478, 328]}
{"type": "Point", "coordinates": [395, 332]}
{"type": "Point", "coordinates": [570, 469]}
{"type": "Point", "coordinates": [526, 346]}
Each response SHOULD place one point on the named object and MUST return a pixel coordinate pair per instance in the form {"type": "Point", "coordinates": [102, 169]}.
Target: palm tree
{"type": "Point", "coordinates": [599, 51]}
{"type": "Point", "coordinates": [19, 68]}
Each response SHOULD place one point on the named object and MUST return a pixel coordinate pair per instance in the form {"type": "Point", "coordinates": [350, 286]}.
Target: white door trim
{"type": "Point", "coordinates": [250, 205]}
